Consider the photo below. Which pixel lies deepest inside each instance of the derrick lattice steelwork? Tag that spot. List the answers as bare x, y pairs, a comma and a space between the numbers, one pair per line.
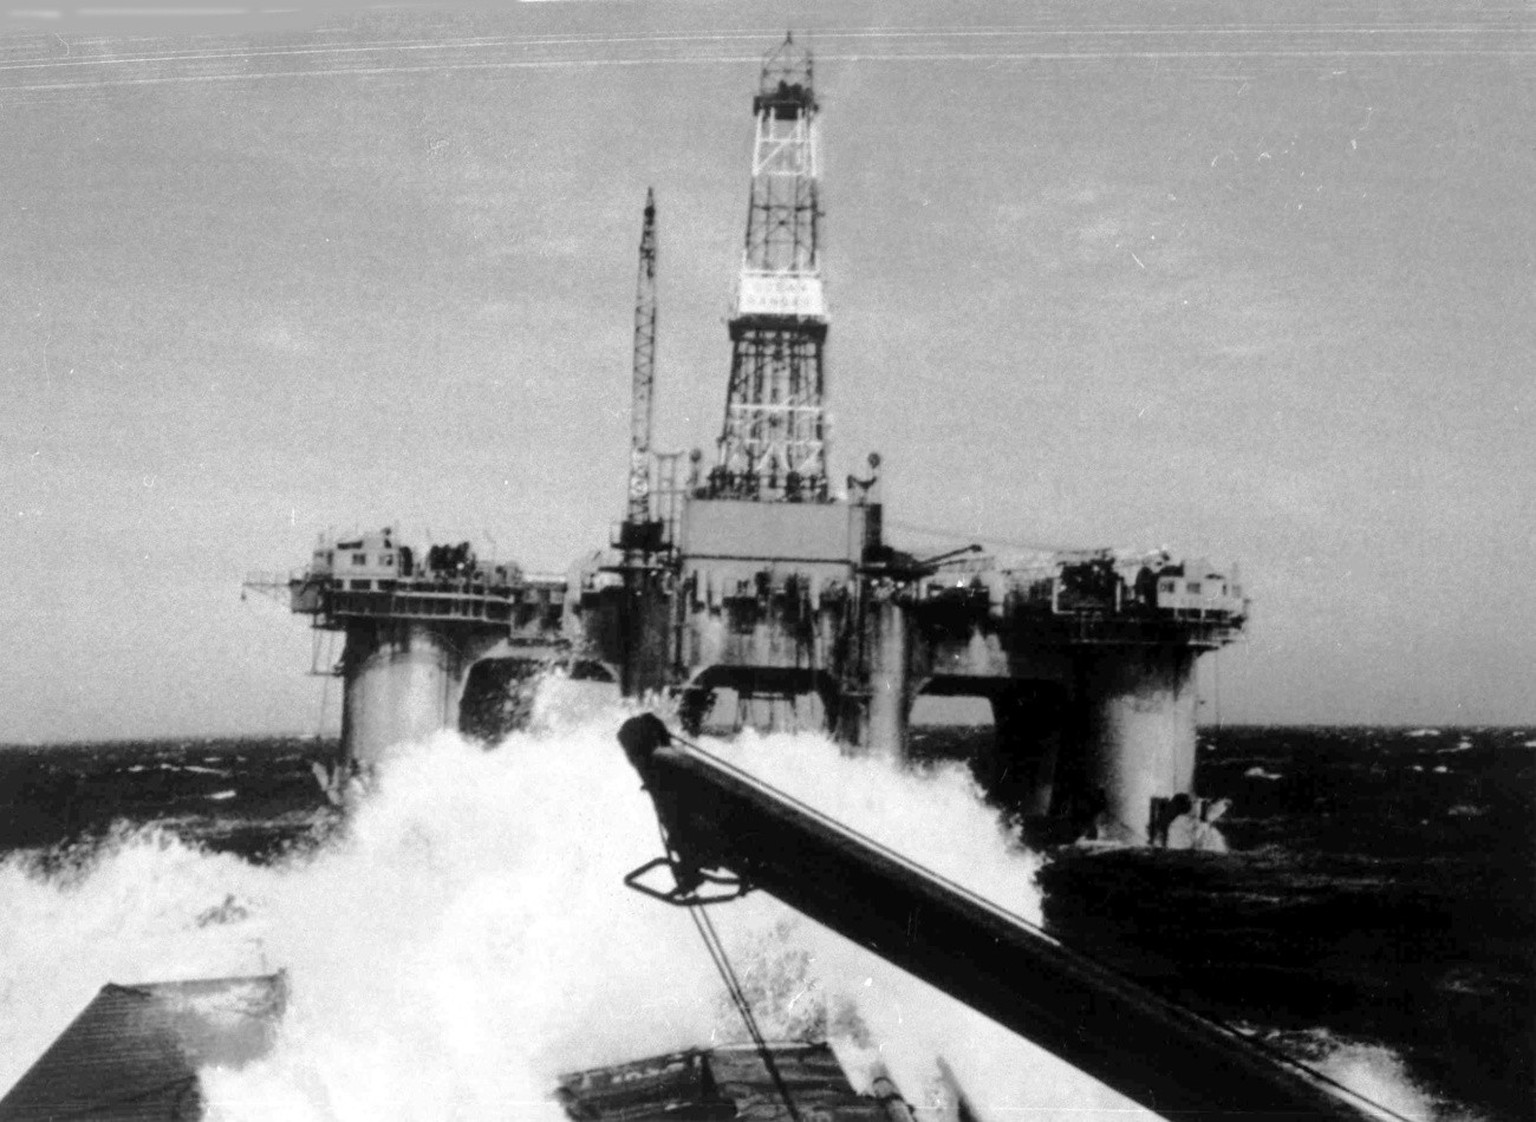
773, 444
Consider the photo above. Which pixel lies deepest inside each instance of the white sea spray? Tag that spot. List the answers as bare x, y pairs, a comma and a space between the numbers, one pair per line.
467, 938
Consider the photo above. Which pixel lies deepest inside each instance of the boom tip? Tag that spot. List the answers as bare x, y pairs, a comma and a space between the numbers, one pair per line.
641, 736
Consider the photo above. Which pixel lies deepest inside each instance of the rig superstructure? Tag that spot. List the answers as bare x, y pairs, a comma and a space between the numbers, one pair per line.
762, 582
725, 591
432, 636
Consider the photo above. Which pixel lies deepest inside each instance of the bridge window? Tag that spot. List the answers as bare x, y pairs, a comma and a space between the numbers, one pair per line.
359, 559
1194, 586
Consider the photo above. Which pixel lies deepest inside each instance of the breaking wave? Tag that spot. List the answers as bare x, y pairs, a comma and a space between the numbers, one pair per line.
467, 939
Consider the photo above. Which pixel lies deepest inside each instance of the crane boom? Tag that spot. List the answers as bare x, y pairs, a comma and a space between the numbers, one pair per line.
727, 832
644, 370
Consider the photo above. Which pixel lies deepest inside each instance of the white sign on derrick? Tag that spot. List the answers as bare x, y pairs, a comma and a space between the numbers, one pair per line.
781, 294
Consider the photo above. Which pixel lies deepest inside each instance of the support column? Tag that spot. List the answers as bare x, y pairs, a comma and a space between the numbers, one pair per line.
890, 677
1138, 710
1020, 768
402, 682
644, 638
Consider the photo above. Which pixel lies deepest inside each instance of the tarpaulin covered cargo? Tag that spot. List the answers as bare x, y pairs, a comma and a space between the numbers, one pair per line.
721, 1083
134, 1053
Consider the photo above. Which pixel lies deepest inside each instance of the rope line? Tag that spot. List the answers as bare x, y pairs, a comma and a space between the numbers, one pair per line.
711, 937
737, 993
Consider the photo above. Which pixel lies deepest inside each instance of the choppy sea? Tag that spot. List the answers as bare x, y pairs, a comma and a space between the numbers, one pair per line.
1376, 913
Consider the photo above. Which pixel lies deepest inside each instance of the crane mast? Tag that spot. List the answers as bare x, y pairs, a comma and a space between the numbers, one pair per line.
639, 510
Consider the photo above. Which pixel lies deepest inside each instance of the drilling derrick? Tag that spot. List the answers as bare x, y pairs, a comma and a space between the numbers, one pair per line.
773, 444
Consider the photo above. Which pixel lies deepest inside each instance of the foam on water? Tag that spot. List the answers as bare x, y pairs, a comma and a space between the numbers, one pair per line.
467, 938
1378, 1073
130, 916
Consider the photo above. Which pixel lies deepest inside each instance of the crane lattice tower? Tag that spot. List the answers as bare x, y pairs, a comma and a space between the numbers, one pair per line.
639, 509
773, 445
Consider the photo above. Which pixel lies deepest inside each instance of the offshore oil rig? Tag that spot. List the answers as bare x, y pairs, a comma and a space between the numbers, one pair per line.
755, 577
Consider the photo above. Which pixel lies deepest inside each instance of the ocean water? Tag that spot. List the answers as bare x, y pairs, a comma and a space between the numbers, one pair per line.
464, 938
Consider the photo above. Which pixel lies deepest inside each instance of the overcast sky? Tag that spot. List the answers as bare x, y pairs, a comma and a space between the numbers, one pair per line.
1108, 274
